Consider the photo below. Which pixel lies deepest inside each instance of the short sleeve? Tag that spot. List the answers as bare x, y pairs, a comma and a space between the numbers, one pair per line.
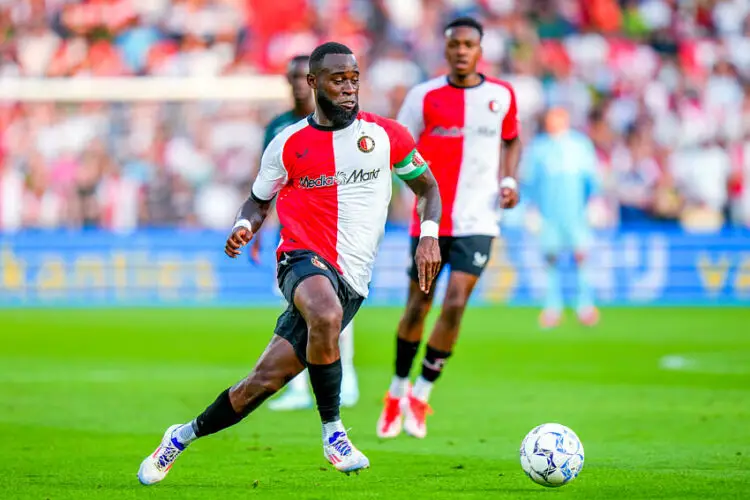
272, 174
411, 114
406, 161
510, 122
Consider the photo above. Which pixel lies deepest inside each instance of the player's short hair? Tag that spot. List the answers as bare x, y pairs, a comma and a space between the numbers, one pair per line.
466, 21
321, 51
298, 59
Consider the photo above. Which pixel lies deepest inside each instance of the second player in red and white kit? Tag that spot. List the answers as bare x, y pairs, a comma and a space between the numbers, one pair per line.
461, 122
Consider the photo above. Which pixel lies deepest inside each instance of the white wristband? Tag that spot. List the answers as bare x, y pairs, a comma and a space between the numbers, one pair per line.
510, 183
242, 223
429, 228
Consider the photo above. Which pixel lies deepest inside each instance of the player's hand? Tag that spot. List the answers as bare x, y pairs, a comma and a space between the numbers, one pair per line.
509, 197
238, 239
427, 258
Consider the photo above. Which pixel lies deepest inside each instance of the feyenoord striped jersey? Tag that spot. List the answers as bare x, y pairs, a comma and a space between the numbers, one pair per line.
334, 187
459, 132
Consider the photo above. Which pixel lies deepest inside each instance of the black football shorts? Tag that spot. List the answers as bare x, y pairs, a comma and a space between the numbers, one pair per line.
294, 267
468, 254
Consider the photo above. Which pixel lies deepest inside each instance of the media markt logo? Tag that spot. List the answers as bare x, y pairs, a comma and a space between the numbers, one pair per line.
340, 179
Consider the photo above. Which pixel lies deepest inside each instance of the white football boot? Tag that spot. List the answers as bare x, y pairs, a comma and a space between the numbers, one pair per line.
155, 467
343, 455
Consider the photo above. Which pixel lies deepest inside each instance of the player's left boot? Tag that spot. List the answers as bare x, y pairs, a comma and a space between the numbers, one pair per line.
343, 455
415, 416
588, 316
155, 467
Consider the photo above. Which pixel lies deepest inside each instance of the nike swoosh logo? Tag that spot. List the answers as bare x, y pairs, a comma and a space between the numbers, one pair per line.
302, 154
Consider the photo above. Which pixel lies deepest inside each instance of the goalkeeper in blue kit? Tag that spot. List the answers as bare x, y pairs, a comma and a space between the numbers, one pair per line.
559, 178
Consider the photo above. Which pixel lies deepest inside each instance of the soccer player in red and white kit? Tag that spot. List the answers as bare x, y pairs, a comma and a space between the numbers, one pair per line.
330, 175
460, 121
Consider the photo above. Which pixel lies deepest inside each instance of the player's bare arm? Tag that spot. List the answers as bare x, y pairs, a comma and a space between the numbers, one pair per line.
509, 170
429, 207
249, 219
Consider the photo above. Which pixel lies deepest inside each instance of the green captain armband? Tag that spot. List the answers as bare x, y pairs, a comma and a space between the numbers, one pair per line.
410, 167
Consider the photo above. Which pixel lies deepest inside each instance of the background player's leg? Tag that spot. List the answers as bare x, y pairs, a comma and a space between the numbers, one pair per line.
349, 385
275, 367
551, 243
445, 333
409, 335
296, 396
467, 258
410, 332
587, 312
439, 349
553, 296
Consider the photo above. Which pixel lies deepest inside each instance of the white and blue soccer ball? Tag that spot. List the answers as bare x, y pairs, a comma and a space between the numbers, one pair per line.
552, 455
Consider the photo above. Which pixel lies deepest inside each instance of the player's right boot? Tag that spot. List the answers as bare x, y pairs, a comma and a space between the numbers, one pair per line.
343, 455
415, 416
391, 419
155, 467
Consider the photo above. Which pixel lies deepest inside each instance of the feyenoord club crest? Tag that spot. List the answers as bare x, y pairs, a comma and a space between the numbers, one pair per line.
366, 144
317, 263
494, 106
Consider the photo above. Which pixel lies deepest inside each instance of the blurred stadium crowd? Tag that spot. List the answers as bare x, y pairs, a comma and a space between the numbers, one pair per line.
661, 86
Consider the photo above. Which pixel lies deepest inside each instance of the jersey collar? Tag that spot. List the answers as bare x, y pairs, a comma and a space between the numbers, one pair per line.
324, 128
482, 79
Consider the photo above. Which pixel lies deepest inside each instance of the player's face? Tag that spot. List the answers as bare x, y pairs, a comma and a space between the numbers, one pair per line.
337, 88
556, 121
462, 50
297, 78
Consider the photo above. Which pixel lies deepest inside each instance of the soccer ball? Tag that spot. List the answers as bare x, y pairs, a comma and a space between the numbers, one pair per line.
551, 455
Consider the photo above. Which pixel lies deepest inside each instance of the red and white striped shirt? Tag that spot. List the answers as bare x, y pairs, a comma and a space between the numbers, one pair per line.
334, 187
459, 132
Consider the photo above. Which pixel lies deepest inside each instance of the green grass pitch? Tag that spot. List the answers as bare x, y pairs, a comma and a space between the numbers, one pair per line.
659, 397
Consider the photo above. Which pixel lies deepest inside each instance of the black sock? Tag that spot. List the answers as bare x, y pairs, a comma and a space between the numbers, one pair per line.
326, 385
219, 415
405, 353
434, 360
